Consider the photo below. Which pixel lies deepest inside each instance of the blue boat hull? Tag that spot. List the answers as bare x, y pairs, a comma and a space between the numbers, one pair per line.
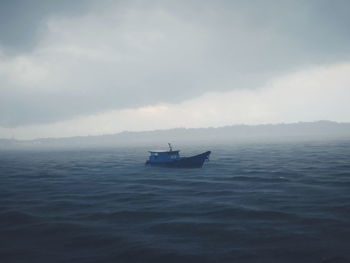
184, 162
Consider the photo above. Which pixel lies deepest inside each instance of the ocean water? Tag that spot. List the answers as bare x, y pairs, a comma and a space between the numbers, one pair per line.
268, 202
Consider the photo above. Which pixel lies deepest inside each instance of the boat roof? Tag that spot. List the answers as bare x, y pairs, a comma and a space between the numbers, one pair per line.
163, 151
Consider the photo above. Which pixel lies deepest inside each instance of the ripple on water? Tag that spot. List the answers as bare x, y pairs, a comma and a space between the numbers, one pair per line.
253, 203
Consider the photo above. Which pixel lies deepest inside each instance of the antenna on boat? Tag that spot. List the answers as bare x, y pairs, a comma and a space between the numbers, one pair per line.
171, 149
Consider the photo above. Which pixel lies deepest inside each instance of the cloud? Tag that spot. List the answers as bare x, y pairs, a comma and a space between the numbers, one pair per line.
128, 54
317, 93
21, 21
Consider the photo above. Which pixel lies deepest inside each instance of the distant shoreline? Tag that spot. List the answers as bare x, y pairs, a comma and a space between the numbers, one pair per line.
319, 130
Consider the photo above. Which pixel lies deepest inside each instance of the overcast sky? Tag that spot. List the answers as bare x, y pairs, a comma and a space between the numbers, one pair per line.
72, 68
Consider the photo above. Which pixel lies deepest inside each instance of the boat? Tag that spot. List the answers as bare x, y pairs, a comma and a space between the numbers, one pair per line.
172, 159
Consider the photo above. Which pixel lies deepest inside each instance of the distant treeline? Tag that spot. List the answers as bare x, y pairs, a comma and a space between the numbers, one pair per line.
319, 130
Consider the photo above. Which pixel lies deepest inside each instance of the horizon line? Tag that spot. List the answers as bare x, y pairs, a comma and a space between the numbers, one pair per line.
176, 128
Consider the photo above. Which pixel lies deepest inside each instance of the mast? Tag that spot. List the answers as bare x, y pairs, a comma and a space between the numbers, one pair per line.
170, 148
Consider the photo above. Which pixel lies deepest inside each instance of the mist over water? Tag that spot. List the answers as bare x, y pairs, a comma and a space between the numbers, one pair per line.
272, 202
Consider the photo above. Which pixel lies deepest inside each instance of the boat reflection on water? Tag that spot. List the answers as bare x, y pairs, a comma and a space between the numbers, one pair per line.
172, 159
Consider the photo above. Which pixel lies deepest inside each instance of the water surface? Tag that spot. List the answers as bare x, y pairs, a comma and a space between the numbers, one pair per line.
272, 202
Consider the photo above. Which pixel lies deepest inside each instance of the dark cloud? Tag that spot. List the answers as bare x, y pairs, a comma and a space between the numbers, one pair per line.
23, 21
96, 56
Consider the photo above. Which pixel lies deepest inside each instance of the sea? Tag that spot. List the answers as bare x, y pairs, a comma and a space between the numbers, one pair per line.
252, 202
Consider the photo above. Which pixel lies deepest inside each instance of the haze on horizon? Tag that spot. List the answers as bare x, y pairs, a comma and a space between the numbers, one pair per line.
75, 68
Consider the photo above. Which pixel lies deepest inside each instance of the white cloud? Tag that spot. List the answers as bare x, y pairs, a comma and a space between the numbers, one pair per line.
317, 93
128, 54
117, 56
106, 59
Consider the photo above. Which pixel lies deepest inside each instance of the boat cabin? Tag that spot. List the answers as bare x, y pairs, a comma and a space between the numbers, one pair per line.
163, 156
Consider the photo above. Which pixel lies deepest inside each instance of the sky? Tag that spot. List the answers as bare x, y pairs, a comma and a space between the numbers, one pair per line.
77, 68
